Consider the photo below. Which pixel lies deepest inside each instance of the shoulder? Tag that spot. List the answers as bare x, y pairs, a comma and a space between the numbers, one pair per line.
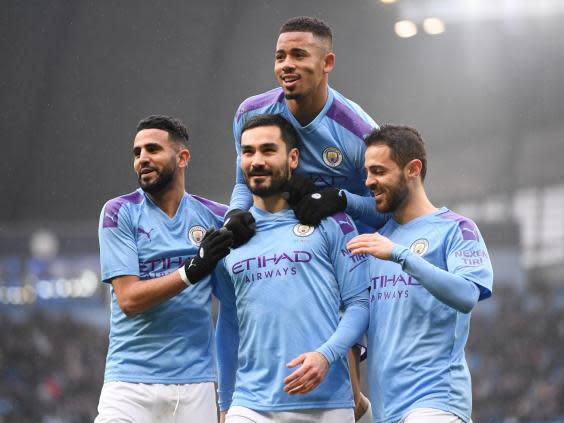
258, 103
350, 116
204, 205
340, 223
112, 208
459, 225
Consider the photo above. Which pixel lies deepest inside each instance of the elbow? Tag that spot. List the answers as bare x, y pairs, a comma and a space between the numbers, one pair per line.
128, 307
466, 306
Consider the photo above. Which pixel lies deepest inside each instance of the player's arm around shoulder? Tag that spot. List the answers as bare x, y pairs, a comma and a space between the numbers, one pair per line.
135, 296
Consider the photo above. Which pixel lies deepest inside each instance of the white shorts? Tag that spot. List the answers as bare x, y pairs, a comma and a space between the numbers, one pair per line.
367, 416
430, 415
238, 414
123, 402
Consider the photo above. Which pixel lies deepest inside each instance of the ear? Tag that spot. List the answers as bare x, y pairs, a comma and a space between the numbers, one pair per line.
414, 168
293, 158
183, 157
329, 62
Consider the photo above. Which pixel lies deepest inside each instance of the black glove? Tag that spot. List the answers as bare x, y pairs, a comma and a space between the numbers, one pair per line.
314, 207
214, 246
242, 224
297, 187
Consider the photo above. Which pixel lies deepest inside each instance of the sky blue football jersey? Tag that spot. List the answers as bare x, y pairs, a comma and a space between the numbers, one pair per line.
289, 282
172, 342
331, 150
416, 342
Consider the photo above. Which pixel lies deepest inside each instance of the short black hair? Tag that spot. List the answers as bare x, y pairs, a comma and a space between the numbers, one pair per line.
176, 130
405, 144
287, 131
307, 24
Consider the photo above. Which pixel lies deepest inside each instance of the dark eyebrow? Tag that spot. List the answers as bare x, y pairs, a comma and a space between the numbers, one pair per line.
299, 50
293, 51
268, 145
376, 167
151, 145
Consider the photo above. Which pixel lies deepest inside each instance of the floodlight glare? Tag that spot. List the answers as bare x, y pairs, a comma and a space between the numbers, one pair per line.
405, 29
433, 26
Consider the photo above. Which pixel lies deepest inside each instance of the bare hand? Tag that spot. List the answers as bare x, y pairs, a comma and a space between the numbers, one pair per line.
313, 369
374, 244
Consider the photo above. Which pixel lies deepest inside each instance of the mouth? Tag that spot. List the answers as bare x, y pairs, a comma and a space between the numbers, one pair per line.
377, 194
146, 170
289, 80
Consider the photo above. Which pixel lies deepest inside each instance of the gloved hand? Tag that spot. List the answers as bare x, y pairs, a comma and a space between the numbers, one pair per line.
242, 224
297, 187
314, 207
214, 246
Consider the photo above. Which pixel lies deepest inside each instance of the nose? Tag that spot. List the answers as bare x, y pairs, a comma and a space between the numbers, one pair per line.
371, 181
288, 64
143, 157
258, 160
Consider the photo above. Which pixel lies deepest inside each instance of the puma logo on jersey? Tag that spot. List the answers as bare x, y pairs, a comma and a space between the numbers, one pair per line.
142, 231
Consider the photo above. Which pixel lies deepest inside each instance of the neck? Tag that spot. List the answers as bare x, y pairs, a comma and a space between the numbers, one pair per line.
417, 204
305, 109
169, 199
271, 204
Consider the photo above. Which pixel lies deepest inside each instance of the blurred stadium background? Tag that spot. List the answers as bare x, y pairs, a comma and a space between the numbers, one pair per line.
481, 79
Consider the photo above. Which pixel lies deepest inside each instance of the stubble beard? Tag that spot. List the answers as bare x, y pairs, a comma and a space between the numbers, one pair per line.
161, 183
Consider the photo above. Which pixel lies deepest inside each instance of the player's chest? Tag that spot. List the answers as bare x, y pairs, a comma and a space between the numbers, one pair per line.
391, 288
159, 239
277, 255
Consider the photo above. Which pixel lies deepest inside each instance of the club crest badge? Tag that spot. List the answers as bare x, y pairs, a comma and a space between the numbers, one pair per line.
419, 246
332, 157
196, 234
303, 230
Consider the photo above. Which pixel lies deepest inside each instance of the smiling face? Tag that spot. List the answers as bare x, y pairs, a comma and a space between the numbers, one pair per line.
386, 179
302, 64
155, 160
265, 161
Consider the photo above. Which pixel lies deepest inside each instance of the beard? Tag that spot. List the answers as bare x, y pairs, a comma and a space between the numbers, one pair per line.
290, 95
161, 182
396, 196
279, 178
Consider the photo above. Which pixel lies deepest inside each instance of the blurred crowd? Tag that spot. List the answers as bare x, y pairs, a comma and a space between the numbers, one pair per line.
516, 356
52, 366
52, 369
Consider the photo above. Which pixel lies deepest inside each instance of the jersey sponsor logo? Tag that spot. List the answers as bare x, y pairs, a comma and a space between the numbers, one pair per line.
332, 156
159, 267
274, 259
390, 281
419, 246
142, 231
196, 234
356, 259
472, 257
277, 265
303, 230
391, 287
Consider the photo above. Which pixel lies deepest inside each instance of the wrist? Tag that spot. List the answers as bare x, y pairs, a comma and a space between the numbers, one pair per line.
184, 276
342, 194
